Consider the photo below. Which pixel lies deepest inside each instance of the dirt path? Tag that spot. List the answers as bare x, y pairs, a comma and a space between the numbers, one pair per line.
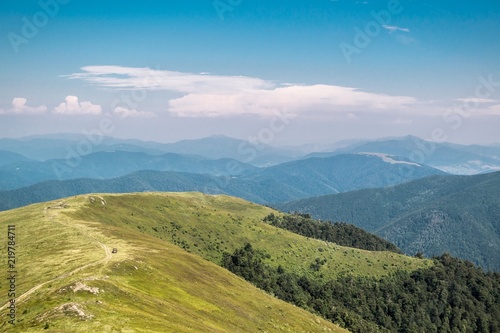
107, 252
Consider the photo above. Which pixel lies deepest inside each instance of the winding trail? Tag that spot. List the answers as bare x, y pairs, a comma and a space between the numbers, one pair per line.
107, 252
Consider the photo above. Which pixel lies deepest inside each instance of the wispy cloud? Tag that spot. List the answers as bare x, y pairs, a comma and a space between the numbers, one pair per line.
19, 106
475, 106
477, 100
127, 78
128, 113
72, 106
394, 28
205, 95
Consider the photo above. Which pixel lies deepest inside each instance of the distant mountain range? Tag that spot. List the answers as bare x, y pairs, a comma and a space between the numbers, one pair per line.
63, 157
62, 146
335, 174
452, 158
284, 182
8, 157
106, 165
455, 214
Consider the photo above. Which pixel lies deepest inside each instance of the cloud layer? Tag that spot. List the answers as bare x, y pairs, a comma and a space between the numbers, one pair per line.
206, 95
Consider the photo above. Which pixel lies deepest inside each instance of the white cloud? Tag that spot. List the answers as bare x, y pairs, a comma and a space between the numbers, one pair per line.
394, 28
475, 106
72, 106
19, 103
126, 113
19, 107
401, 38
290, 100
477, 100
129, 78
205, 95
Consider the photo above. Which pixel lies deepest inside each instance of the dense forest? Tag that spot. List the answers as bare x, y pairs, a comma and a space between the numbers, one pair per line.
341, 233
451, 296
454, 214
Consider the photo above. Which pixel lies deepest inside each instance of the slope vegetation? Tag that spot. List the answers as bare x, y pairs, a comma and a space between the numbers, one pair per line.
69, 281
455, 214
210, 226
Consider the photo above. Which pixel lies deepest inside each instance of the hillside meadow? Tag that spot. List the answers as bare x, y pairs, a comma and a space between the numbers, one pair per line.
69, 281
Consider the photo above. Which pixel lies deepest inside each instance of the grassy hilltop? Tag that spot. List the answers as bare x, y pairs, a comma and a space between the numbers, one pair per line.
166, 275
211, 225
69, 281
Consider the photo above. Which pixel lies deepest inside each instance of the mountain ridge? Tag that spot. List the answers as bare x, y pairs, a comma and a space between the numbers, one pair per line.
112, 164
450, 157
284, 182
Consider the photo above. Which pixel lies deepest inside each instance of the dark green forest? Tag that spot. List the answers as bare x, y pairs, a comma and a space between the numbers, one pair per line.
341, 233
451, 296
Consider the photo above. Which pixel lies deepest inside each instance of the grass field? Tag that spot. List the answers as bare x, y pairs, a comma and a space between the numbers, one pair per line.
69, 281
211, 225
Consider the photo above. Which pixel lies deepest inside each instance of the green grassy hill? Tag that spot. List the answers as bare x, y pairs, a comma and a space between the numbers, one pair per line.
211, 225
69, 281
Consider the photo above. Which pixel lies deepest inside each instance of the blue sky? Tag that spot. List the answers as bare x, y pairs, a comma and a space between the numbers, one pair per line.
328, 70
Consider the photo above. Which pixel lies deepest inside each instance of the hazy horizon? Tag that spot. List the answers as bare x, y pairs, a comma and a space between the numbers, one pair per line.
346, 142
285, 72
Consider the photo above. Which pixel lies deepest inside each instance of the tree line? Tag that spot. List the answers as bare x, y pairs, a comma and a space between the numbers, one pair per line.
451, 296
339, 232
